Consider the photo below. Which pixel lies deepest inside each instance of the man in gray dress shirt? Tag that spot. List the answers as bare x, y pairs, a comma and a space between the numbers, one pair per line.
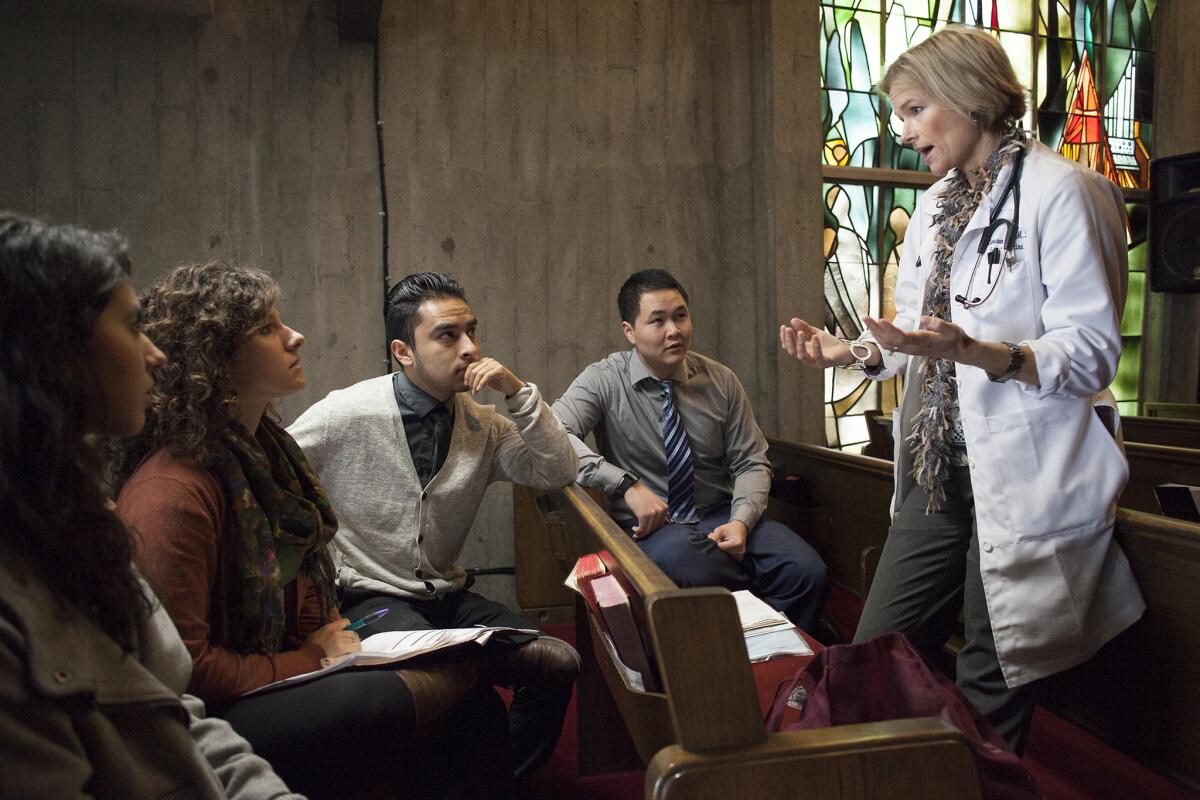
682, 460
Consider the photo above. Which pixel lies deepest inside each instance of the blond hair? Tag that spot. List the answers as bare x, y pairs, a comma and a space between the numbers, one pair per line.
964, 69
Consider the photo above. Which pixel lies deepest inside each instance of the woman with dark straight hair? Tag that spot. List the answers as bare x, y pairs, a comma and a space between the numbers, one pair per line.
91, 669
237, 531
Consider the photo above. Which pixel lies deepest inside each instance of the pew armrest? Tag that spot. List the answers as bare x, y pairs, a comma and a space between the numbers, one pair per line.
869, 761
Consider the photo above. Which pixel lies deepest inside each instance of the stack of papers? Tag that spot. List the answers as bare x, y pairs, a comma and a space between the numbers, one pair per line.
768, 633
393, 646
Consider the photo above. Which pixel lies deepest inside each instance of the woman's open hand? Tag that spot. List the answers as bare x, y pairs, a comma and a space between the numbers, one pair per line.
933, 338
811, 345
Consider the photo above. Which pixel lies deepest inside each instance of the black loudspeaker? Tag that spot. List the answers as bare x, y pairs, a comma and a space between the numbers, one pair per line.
1174, 251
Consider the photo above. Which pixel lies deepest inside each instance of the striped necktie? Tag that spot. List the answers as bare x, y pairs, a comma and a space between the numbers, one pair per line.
681, 503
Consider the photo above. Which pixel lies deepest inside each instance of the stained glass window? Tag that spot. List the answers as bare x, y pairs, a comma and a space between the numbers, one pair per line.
864, 235
1125, 386
851, 58
1128, 88
1095, 89
1089, 65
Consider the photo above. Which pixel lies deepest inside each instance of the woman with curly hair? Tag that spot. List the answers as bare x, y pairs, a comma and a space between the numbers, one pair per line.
91, 669
237, 530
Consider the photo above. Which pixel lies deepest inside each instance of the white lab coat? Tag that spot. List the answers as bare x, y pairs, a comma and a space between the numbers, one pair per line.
1045, 470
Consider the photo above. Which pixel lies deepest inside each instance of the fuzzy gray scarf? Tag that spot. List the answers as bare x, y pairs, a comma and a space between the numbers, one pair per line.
933, 439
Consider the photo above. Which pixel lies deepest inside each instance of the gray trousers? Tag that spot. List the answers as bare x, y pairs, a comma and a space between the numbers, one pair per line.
928, 570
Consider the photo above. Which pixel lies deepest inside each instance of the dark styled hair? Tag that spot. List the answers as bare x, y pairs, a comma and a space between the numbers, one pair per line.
198, 315
55, 281
629, 299
405, 297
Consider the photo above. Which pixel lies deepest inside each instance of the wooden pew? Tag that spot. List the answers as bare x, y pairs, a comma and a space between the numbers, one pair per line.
1161, 430
1141, 693
879, 431
833, 478
846, 516
1146, 430
1154, 464
1173, 410
703, 735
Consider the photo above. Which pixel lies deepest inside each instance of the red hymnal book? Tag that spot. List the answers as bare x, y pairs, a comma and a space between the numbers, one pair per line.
610, 605
587, 567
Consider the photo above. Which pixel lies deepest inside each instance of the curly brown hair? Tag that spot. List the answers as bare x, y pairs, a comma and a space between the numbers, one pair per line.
198, 315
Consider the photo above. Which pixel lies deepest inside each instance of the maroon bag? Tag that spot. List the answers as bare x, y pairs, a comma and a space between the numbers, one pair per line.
886, 678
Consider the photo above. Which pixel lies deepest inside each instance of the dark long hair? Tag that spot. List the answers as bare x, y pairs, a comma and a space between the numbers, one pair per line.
55, 280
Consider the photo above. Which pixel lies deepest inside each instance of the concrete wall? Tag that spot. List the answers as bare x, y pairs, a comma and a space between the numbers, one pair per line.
539, 150
246, 136
542, 150
789, 209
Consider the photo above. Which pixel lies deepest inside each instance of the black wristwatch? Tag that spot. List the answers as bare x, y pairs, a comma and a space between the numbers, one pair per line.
627, 480
1016, 358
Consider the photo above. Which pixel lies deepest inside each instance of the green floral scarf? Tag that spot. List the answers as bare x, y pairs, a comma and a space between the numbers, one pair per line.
275, 497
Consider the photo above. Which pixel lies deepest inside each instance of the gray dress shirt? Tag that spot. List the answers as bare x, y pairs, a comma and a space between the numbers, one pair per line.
620, 399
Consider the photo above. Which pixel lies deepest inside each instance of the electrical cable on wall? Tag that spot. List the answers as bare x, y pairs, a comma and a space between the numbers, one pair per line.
383, 204
383, 217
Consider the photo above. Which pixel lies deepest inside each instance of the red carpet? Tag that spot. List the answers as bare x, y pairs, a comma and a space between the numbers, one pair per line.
1067, 763
1070, 764
559, 779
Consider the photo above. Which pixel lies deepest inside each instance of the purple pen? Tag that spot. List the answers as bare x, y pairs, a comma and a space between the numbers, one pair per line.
367, 620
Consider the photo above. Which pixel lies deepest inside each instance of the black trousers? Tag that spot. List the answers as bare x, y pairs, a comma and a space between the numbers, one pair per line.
541, 691
929, 569
351, 734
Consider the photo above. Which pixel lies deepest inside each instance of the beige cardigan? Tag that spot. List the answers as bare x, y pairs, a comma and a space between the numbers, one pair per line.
393, 536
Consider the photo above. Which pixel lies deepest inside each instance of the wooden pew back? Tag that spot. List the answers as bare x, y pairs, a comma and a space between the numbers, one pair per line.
898, 760
1172, 410
704, 736
620, 727
1161, 430
711, 657
845, 515
1154, 464
1141, 692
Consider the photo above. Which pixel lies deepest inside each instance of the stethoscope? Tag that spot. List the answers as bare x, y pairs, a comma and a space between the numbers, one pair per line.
1011, 189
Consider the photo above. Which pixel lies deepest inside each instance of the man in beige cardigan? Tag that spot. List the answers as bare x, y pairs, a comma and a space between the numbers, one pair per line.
406, 458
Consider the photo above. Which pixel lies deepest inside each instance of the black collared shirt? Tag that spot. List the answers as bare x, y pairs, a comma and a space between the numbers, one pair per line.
427, 426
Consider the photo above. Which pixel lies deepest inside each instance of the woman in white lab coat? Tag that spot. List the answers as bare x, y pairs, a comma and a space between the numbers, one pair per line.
1008, 465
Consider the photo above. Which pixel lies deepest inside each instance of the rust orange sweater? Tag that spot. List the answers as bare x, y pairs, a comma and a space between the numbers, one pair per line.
187, 551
